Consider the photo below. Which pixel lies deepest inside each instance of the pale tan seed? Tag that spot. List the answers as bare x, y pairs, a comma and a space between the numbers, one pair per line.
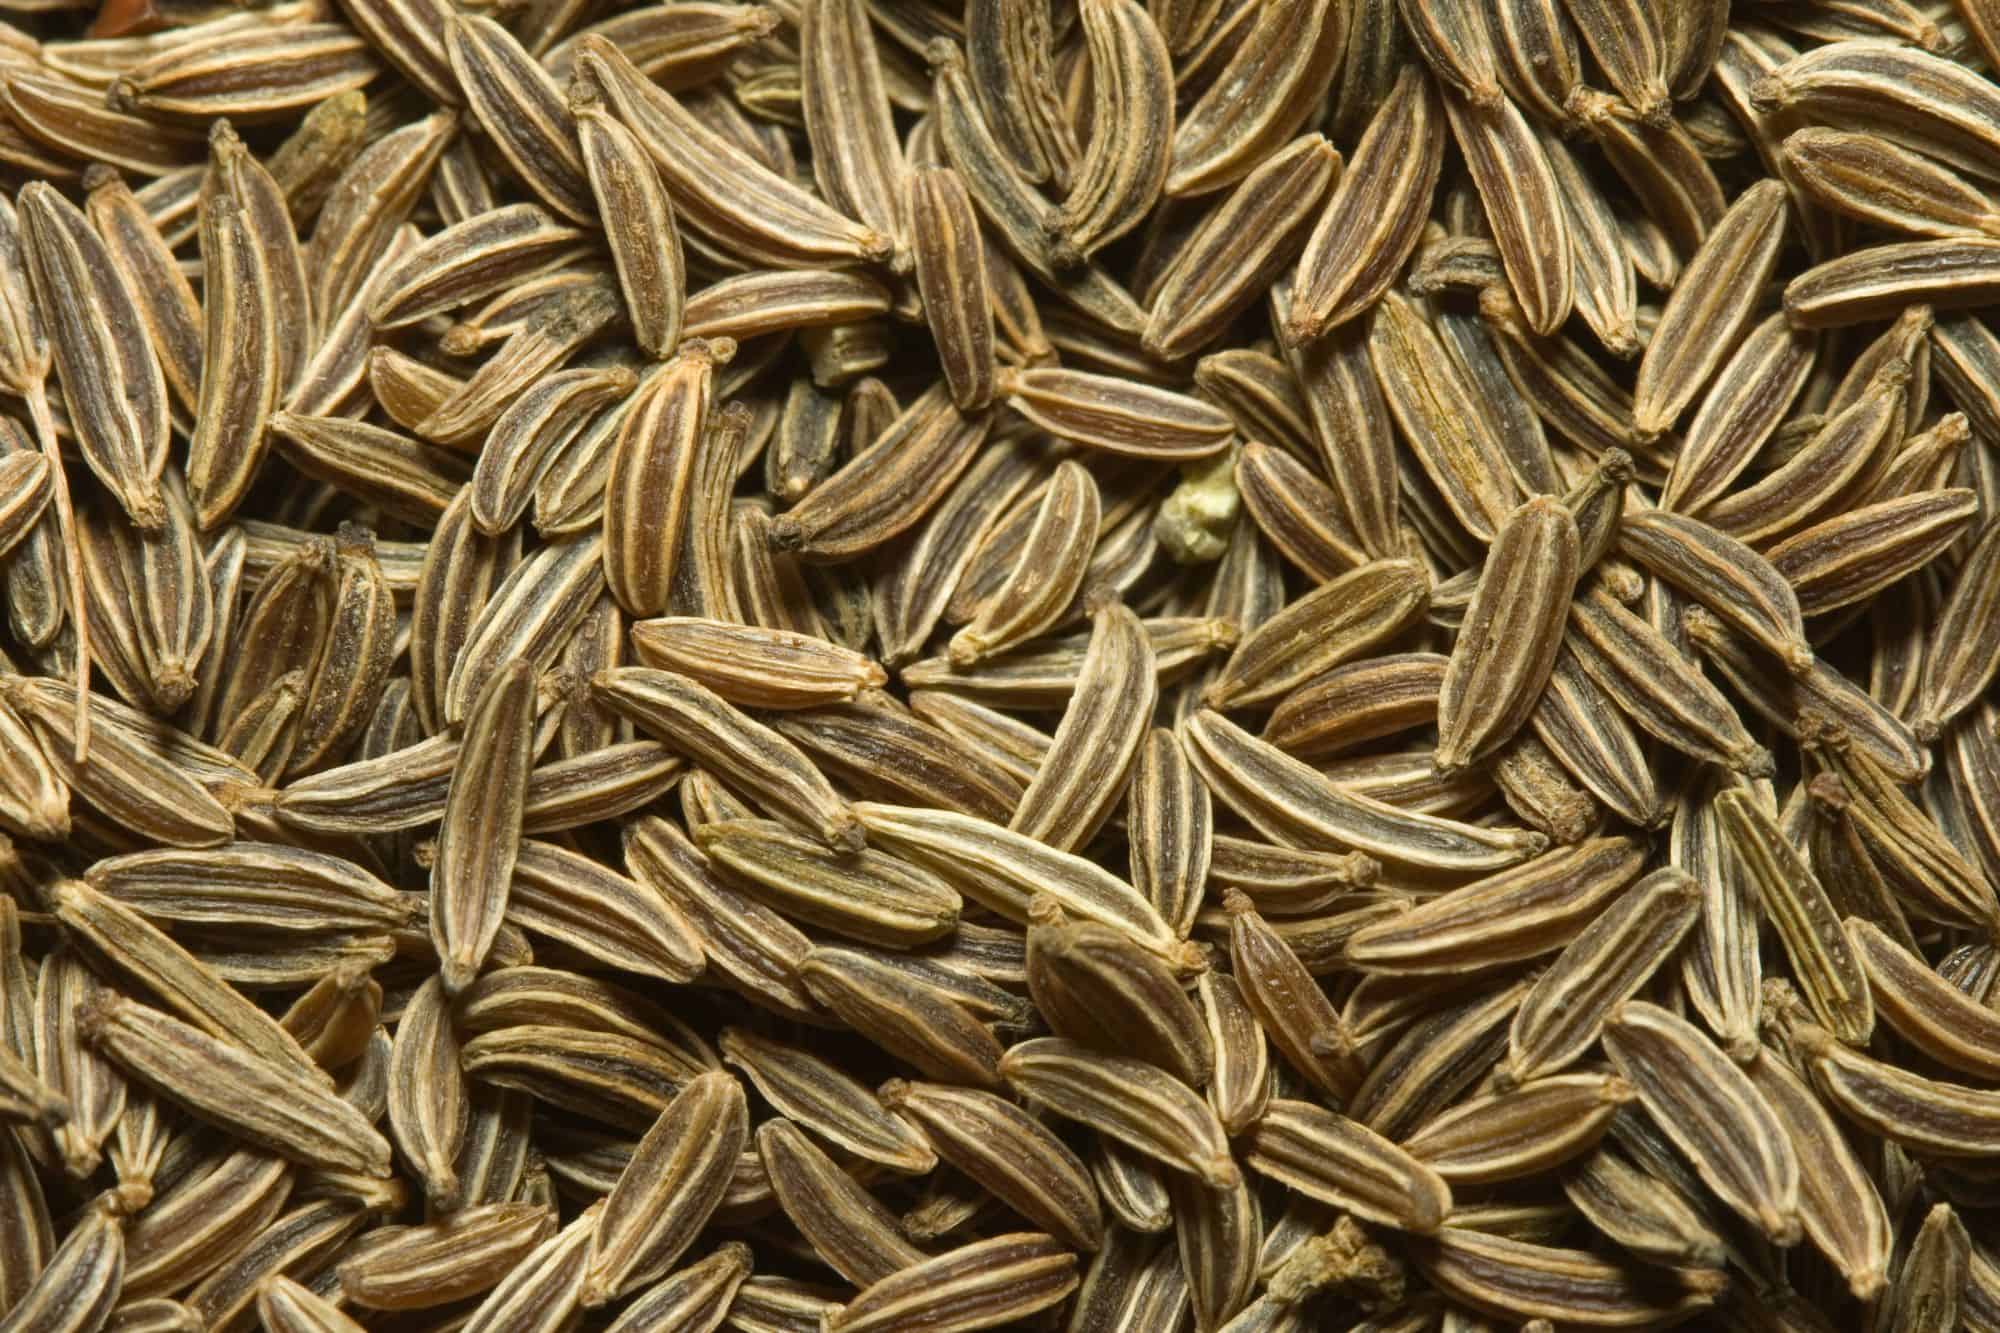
1523, 202
1437, 410
1087, 767
1260, 98
80, 1286
715, 734
724, 193
640, 228
1926, 1010
1534, 908
925, 450
1007, 1151
1639, 1211
1334, 623
748, 946
1096, 986
1170, 828
1823, 961
1936, 1117
865, 895
1220, 1234
1729, 579
651, 473
920, 1013
1239, 248
540, 1296
144, 955
1116, 415
1120, 175
1658, 688
604, 1076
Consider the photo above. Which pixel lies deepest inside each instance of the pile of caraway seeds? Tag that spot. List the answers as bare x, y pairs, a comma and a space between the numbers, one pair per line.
1091, 666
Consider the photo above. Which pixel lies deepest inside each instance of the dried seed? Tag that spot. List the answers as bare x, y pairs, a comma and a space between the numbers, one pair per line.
1711, 1112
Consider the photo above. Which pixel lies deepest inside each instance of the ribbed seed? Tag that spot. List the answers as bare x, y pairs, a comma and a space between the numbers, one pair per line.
1728, 578
1532, 909
1657, 687
1096, 744
1926, 1010
1965, 652
1261, 97
1169, 827
1005, 871
723, 192
1529, 1280
827, 1101
1094, 985
1344, 1163
1008, 1152
428, 1095
1289, 1004
952, 275
907, 1012
1520, 1132
1711, 1112
1435, 407
1710, 306
1239, 247
479, 837
80, 1286
541, 1295
744, 752
1291, 802
1336, 622
652, 469
1511, 635
1607, 963
1642, 1213
1376, 213
1848, 558
1842, 1211
676, 1177
987, 1282
845, 1226
1454, 41
640, 229
120, 937
888, 487
1523, 202
287, 1113
1823, 962
1138, 1104
866, 895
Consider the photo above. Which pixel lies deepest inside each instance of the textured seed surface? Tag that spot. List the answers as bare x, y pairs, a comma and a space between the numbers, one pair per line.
825, 665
